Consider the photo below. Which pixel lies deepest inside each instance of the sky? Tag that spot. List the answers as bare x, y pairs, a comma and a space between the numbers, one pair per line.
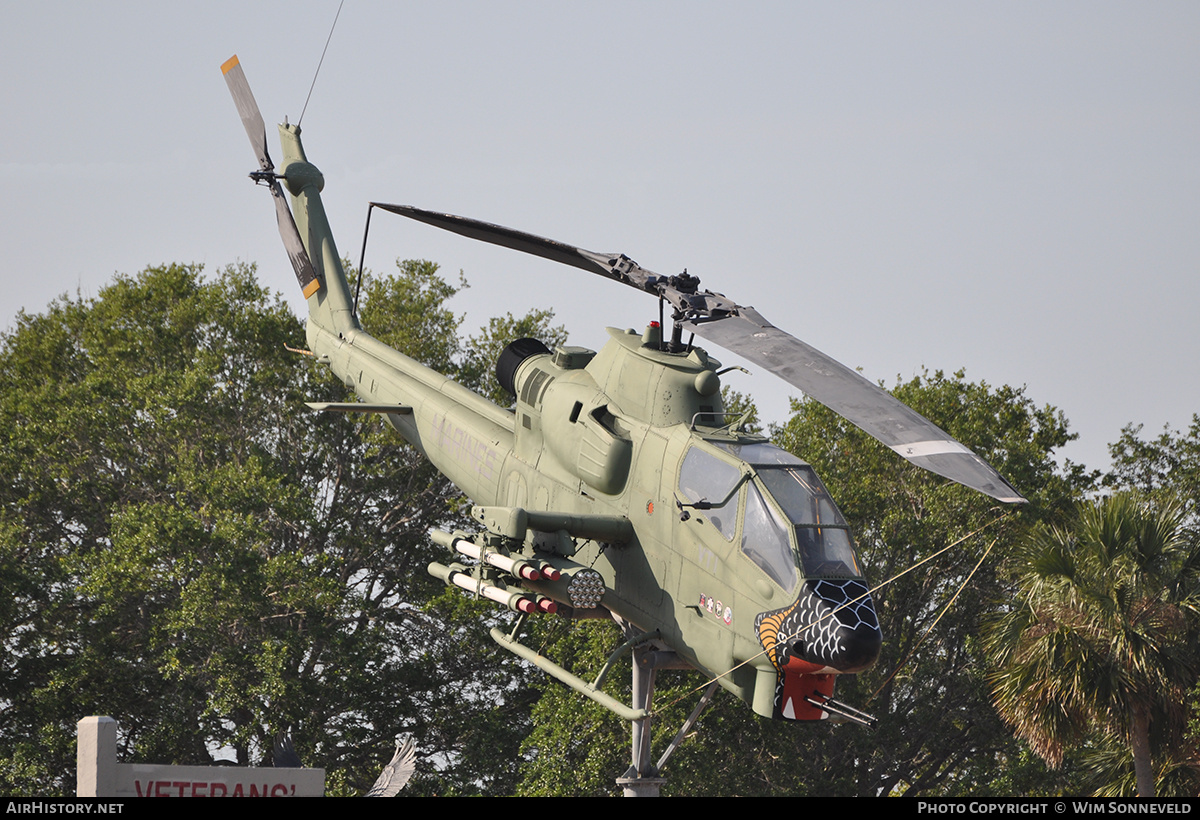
1012, 188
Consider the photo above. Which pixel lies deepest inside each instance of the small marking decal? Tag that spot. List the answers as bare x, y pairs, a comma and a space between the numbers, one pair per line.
723, 613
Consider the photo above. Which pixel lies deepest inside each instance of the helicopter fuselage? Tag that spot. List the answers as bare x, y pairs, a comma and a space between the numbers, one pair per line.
732, 550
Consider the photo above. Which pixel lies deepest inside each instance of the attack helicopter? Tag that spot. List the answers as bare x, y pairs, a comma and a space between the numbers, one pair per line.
617, 486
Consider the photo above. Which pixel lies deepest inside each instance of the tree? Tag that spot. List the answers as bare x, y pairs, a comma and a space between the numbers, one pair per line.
187, 548
1166, 466
1103, 632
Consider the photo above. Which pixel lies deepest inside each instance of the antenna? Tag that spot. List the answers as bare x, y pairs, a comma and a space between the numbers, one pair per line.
319, 62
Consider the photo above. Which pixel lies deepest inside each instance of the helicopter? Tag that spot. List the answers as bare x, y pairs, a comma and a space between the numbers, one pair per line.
617, 486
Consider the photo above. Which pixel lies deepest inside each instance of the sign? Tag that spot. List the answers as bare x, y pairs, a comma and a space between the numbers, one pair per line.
98, 774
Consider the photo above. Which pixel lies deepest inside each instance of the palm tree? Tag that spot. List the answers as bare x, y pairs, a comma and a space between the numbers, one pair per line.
1102, 634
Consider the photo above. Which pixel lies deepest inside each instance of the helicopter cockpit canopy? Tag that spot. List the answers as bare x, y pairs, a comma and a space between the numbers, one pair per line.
788, 519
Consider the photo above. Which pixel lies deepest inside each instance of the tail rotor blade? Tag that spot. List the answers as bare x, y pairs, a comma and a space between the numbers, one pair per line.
305, 275
247, 108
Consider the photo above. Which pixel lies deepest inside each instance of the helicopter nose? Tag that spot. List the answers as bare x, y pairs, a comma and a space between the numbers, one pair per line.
845, 631
849, 651
832, 625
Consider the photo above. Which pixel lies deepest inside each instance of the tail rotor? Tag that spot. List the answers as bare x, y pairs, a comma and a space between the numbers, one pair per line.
252, 119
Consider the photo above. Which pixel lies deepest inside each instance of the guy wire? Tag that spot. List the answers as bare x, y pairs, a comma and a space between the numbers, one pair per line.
929, 629
318, 71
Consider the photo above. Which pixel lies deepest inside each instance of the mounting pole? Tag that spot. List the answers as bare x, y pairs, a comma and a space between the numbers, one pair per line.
641, 779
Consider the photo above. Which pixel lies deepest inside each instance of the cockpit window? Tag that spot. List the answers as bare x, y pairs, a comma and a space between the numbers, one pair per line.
765, 541
822, 545
760, 453
802, 496
704, 477
826, 552
822, 536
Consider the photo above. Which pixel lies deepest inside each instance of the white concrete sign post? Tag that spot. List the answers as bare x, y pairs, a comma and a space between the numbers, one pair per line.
98, 774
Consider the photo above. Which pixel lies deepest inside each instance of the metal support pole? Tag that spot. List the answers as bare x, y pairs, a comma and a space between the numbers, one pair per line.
642, 779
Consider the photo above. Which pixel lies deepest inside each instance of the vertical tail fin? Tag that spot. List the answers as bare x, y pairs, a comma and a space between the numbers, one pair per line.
330, 305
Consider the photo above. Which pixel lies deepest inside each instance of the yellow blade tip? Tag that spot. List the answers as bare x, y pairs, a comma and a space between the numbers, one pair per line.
229, 64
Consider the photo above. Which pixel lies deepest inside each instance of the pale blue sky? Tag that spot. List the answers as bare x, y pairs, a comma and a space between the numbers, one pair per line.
1013, 188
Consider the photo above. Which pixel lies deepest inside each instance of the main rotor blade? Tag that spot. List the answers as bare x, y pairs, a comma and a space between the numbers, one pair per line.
247, 108
850, 395
609, 265
745, 332
679, 290
252, 119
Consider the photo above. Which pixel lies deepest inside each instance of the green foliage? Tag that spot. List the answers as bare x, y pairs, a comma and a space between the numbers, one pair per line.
409, 313
1101, 642
1167, 469
738, 406
116, 410
1110, 769
576, 747
1164, 467
188, 549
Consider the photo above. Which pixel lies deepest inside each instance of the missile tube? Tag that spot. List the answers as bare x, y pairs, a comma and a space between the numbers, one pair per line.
520, 567
513, 566
516, 601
